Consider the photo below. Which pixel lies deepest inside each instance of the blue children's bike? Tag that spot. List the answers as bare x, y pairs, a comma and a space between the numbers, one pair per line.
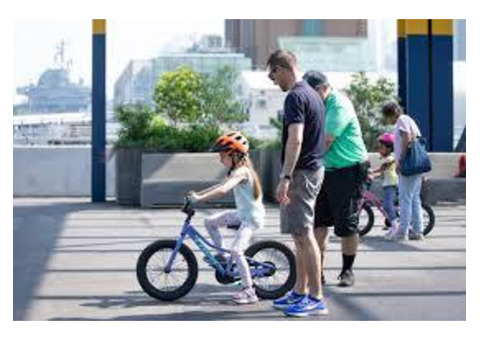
167, 269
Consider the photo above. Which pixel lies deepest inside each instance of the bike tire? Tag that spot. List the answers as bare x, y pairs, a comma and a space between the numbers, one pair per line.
431, 219
363, 230
149, 287
262, 291
430, 215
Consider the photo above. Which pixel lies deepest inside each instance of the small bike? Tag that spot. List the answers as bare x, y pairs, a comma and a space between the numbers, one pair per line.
367, 218
167, 269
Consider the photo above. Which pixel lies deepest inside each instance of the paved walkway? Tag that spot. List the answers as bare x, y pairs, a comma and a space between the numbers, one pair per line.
74, 260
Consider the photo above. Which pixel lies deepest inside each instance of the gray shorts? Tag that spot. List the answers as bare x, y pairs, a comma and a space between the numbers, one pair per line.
298, 216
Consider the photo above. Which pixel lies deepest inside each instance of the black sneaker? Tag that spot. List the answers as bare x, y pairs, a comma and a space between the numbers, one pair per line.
347, 279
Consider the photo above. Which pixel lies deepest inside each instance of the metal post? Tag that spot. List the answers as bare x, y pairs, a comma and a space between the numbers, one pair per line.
401, 59
98, 110
441, 42
418, 95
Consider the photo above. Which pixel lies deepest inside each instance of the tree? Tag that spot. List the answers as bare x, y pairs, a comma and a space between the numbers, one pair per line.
189, 97
367, 98
177, 94
219, 104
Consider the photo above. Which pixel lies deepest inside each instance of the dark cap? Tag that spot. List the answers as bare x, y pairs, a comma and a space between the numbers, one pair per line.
315, 78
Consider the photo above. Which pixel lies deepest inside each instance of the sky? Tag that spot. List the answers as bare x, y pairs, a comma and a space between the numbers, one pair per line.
35, 44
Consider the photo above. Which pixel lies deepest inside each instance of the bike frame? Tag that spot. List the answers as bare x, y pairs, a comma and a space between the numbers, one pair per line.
373, 199
188, 230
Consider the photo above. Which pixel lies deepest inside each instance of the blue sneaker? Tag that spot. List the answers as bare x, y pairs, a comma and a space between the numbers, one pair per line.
307, 306
288, 300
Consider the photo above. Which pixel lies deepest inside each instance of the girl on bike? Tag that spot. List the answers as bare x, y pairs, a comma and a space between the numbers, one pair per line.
387, 171
233, 149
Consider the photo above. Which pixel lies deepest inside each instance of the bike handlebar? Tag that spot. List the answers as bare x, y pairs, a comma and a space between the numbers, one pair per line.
368, 183
188, 208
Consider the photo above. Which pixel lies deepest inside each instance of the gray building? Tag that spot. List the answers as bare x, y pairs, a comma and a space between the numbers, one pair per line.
258, 38
137, 82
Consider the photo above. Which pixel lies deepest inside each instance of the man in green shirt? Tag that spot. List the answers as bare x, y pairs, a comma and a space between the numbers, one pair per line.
344, 160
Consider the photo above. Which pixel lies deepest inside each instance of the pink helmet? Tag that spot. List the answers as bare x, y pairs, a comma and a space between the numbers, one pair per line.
387, 138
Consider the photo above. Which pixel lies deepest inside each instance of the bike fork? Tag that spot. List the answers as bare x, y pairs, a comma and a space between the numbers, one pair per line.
179, 243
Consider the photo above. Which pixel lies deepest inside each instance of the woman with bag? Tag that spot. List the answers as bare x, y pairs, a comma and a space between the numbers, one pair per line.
412, 161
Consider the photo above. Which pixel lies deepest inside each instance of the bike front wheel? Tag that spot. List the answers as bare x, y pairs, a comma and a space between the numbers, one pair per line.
162, 285
281, 259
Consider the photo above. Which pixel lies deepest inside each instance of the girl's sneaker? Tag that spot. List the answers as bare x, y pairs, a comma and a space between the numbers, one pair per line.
392, 231
398, 236
245, 296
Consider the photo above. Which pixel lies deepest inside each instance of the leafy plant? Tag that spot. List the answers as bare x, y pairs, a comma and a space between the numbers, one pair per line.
135, 121
186, 96
277, 143
142, 128
367, 98
177, 95
219, 104
198, 106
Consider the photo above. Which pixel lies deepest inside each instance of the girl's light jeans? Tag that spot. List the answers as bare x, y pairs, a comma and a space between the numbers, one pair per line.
240, 243
410, 203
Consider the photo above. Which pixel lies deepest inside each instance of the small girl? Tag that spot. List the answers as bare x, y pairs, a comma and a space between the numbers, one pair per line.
387, 171
242, 178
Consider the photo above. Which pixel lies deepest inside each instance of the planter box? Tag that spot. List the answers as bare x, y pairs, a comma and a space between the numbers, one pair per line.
440, 186
152, 179
128, 176
166, 178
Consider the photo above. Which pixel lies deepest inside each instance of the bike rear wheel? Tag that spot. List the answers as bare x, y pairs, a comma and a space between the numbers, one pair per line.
282, 278
159, 284
428, 219
366, 219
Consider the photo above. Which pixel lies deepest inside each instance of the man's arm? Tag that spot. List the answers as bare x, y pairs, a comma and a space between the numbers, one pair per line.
293, 148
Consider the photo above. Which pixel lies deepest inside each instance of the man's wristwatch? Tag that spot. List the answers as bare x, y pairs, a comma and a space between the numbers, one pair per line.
287, 177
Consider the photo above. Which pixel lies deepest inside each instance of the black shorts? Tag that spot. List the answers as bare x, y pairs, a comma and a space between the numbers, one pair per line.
337, 203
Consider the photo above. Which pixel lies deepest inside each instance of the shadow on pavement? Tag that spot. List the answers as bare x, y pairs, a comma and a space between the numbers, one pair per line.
33, 246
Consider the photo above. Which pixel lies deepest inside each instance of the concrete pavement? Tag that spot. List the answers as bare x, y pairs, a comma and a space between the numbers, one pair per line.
74, 260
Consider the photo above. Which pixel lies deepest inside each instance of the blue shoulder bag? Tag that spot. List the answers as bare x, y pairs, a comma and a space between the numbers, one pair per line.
416, 160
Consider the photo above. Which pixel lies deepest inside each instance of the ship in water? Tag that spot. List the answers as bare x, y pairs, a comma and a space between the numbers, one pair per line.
54, 91
56, 110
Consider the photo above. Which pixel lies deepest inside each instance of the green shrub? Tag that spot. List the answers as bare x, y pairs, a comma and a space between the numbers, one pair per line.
199, 106
135, 121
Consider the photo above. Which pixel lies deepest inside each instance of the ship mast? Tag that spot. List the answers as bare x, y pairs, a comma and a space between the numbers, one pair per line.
60, 54
59, 57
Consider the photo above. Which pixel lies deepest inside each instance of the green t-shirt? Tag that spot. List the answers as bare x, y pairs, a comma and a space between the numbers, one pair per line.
342, 123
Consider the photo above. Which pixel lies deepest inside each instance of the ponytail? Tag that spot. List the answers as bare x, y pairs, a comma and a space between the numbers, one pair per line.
257, 187
243, 159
